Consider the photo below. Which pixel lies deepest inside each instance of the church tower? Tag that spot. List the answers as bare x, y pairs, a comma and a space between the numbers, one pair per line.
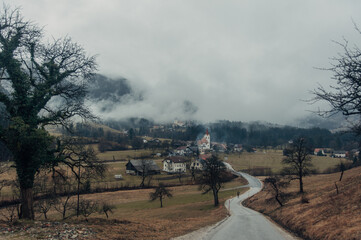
208, 139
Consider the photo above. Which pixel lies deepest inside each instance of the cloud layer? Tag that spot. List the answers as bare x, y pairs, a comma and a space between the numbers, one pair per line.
236, 60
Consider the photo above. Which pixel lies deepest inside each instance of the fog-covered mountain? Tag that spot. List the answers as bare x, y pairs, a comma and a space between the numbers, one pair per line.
119, 98
106, 93
334, 123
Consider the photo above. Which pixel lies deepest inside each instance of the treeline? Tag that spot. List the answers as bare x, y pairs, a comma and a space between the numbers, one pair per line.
260, 135
109, 140
249, 134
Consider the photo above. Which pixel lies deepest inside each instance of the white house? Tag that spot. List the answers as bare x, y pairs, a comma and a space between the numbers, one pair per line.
319, 151
238, 148
174, 164
339, 154
181, 150
198, 164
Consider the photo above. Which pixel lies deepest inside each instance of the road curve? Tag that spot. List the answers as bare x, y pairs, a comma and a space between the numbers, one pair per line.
244, 223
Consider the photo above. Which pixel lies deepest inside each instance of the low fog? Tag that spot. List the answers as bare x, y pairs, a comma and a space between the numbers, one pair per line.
205, 60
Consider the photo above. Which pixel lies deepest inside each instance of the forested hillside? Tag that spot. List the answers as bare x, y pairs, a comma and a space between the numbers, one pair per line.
249, 134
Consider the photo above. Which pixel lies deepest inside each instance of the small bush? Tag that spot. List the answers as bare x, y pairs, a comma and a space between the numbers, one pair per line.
304, 199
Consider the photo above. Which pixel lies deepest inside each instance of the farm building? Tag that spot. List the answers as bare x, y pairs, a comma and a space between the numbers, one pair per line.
319, 152
137, 167
219, 147
183, 151
339, 154
174, 164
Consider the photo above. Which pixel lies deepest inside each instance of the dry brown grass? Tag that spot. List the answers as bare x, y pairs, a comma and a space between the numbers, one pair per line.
135, 217
328, 215
123, 155
164, 223
272, 159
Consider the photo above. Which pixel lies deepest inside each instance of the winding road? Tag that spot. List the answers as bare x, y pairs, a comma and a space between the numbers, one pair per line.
244, 223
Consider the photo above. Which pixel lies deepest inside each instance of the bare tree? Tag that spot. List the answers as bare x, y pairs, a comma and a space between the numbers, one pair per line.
298, 161
82, 162
48, 84
343, 97
213, 177
64, 203
276, 185
342, 168
145, 167
180, 174
193, 174
160, 193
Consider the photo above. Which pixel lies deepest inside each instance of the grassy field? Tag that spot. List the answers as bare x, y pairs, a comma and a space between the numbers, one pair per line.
327, 215
124, 155
135, 217
268, 159
273, 159
186, 211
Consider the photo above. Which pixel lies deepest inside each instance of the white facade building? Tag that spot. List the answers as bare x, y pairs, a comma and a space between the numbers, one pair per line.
174, 164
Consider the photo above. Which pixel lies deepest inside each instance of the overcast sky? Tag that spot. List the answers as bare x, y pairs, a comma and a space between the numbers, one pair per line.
236, 60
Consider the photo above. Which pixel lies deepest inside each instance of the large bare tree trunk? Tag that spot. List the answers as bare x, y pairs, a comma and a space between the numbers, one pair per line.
78, 197
301, 184
215, 196
27, 204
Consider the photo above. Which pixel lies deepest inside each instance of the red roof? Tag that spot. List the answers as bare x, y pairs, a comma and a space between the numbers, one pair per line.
205, 156
318, 149
176, 159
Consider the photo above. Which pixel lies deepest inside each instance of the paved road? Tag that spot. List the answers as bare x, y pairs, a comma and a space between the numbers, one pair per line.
245, 223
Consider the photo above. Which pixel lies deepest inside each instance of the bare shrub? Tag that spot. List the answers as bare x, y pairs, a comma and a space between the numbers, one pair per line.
88, 207
44, 205
106, 208
304, 199
276, 186
64, 204
11, 212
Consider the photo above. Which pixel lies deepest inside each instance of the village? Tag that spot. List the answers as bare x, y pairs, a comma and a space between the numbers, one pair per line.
192, 157
181, 159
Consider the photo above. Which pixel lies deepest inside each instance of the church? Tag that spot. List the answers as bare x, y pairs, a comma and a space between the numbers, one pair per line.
205, 143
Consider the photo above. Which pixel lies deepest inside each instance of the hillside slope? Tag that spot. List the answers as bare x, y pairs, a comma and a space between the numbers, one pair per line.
328, 215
